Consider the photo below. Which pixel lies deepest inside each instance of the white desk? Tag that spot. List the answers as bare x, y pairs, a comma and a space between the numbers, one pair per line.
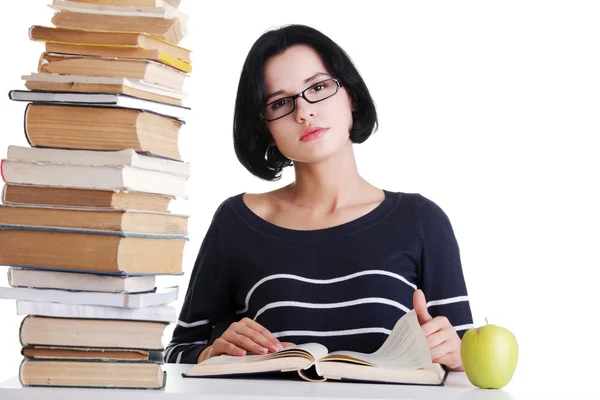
457, 387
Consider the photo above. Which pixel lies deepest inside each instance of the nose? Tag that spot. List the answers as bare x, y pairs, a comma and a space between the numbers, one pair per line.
304, 110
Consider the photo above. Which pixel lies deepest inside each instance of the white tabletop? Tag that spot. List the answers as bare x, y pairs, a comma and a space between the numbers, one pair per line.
178, 388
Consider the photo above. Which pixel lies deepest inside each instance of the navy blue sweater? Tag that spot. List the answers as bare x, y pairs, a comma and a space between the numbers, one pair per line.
344, 287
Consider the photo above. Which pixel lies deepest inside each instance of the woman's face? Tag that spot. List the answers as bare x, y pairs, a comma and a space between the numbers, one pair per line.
289, 73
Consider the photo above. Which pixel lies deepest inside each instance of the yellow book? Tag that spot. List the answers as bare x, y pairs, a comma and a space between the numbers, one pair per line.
116, 44
118, 52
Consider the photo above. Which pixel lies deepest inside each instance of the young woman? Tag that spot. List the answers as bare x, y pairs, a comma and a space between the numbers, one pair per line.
329, 258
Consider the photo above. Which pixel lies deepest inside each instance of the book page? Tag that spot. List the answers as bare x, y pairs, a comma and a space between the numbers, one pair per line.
406, 347
312, 351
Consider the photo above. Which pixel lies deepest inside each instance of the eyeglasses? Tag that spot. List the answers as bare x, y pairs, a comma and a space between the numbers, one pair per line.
314, 94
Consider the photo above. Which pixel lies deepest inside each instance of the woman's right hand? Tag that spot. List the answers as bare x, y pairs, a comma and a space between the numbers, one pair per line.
242, 337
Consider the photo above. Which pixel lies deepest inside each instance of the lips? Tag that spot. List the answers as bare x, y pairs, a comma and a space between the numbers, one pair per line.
312, 133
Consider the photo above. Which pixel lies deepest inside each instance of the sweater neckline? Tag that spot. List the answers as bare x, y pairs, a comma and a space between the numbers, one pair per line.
389, 202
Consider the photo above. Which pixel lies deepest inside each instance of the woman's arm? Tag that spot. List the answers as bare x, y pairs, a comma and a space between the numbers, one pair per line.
442, 304
206, 300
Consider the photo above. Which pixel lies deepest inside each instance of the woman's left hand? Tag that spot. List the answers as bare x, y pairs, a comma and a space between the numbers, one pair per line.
444, 342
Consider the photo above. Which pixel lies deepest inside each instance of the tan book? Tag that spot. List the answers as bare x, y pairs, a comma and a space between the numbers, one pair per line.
87, 353
77, 281
170, 29
93, 333
139, 3
66, 197
99, 88
147, 70
403, 358
101, 128
130, 40
95, 219
118, 52
92, 374
91, 251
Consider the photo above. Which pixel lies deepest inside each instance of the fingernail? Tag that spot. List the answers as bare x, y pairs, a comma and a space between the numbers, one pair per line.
276, 347
263, 350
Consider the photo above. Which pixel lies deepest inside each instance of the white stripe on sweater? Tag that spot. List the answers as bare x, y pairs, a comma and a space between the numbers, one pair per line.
171, 348
350, 303
192, 324
346, 332
447, 301
322, 281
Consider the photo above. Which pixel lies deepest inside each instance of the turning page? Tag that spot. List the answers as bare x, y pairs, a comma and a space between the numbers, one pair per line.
405, 347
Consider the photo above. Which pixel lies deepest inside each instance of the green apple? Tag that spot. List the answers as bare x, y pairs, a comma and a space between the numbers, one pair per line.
489, 355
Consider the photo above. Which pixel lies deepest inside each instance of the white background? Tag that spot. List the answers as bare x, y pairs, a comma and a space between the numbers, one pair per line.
489, 109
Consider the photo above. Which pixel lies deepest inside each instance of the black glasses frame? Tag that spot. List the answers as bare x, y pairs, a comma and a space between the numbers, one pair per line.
301, 94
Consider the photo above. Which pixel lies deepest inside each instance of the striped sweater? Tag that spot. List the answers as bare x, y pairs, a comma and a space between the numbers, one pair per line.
344, 287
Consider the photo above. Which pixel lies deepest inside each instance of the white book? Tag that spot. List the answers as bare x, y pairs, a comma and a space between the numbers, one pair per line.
119, 158
164, 10
115, 179
100, 100
77, 281
125, 300
138, 84
162, 313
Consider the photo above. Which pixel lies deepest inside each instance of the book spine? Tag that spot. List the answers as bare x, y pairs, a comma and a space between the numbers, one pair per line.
25, 125
21, 330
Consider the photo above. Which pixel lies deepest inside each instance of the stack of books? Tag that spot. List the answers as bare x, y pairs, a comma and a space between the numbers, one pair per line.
85, 226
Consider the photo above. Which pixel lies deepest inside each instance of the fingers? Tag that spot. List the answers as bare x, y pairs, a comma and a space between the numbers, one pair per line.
438, 337
222, 346
287, 344
243, 337
258, 338
435, 325
420, 307
441, 350
269, 339
451, 360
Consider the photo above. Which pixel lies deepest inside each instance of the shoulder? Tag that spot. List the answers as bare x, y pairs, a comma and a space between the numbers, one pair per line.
242, 204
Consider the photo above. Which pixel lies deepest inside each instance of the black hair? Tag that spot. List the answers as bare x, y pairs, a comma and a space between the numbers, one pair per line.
251, 138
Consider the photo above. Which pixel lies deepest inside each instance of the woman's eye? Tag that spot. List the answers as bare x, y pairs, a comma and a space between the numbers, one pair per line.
318, 87
279, 103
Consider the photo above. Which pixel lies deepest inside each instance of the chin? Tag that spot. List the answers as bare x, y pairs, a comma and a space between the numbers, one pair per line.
318, 151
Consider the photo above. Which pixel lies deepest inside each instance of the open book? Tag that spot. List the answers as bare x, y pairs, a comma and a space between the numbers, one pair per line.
403, 358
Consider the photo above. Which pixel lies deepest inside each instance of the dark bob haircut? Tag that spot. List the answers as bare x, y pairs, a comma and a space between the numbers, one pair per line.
252, 140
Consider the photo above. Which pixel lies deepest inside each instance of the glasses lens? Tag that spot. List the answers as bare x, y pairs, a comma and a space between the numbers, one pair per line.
278, 108
321, 90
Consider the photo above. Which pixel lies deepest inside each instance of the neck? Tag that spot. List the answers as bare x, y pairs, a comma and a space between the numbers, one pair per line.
329, 184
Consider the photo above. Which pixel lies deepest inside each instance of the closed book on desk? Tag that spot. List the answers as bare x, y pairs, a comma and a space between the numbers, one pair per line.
86, 127
76, 198
95, 218
108, 39
93, 177
89, 353
119, 52
91, 333
92, 374
121, 158
103, 84
404, 358
110, 100
115, 253
167, 23
78, 281
147, 70
138, 300
161, 313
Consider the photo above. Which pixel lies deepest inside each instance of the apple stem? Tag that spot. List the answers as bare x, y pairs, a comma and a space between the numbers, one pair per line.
486, 321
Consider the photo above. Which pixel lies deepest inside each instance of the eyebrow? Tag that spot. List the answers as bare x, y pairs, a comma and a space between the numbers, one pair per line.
305, 81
